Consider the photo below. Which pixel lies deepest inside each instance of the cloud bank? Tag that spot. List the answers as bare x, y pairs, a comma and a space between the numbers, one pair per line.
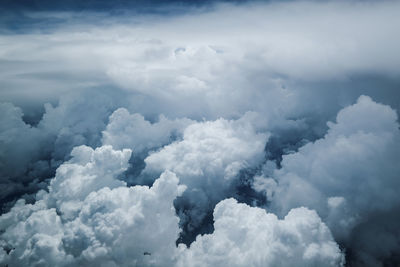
88, 218
247, 134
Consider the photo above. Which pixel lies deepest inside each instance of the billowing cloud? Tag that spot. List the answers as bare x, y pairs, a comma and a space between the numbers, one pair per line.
109, 115
246, 236
90, 218
347, 176
214, 148
208, 160
133, 131
29, 154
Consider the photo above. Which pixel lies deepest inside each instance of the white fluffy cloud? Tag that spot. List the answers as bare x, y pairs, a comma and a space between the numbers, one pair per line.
208, 159
90, 218
247, 236
200, 94
133, 131
213, 150
29, 154
355, 160
348, 175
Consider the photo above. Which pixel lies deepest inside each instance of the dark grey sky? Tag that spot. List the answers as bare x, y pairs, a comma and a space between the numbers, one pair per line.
104, 5
14, 15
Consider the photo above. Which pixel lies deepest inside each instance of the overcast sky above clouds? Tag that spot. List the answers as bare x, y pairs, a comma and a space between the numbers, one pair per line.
216, 133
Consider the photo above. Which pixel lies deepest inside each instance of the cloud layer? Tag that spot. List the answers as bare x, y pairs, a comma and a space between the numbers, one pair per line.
248, 134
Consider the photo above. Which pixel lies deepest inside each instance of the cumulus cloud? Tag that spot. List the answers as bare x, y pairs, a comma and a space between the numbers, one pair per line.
213, 148
208, 160
90, 218
348, 175
233, 100
134, 131
29, 154
78, 119
246, 236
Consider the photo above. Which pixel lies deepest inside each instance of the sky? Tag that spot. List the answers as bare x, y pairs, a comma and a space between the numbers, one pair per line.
199, 133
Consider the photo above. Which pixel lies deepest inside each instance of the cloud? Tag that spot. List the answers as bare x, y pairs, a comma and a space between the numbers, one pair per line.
347, 176
21, 147
208, 160
30, 154
233, 100
14, 130
216, 148
249, 236
134, 131
192, 61
89, 218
